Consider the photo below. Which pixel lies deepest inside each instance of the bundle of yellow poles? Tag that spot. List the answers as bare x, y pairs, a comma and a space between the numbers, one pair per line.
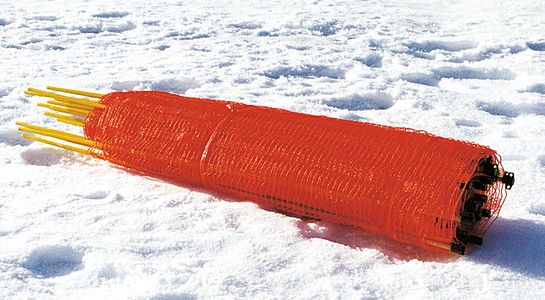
66, 106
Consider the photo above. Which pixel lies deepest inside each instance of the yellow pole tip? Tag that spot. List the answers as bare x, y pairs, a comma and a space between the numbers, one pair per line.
75, 92
85, 150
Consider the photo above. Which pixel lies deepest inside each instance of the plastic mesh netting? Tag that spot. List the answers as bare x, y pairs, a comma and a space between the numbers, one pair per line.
410, 185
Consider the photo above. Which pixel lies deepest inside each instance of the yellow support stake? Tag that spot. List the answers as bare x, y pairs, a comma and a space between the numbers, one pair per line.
59, 116
57, 144
67, 121
75, 92
69, 137
85, 102
441, 245
32, 93
72, 111
23, 124
69, 105
58, 136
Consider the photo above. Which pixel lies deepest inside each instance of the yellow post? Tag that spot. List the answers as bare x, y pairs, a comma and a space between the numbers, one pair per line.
85, 150
85, 102
69, 105
72, 111
68, 121
75, 92
74, 121
437, 244
69, 137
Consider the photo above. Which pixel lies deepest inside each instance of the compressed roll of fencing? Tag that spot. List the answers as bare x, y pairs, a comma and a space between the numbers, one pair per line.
415, 187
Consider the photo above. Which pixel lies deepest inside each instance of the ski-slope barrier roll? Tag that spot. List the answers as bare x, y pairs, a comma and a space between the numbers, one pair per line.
417, 188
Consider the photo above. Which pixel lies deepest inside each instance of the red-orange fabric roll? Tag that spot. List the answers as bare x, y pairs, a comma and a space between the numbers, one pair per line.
407, 184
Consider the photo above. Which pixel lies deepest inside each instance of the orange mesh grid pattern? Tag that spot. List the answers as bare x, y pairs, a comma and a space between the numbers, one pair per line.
400, 182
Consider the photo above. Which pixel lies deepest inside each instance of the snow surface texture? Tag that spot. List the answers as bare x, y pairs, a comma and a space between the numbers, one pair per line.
73, 226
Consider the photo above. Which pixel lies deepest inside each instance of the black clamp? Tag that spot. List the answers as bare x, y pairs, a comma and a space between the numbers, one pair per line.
489, 168
478, 185
508, 179
468, 219
458, 248
466, 238
479, 198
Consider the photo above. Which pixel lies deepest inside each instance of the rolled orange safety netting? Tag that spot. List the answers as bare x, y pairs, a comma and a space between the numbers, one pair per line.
417, 188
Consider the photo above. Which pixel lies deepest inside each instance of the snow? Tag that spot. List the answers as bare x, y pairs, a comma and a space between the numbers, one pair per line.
73, 226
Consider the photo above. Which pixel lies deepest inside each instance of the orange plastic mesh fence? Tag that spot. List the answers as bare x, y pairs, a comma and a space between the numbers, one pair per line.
407, 184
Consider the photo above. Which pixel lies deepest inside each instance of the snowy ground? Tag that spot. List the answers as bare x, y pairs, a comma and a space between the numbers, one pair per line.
73, 226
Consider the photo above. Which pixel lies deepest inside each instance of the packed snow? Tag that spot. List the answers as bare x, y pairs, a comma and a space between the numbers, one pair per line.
75, 227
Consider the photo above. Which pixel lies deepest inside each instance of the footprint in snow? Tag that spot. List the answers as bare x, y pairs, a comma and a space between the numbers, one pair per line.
541, 160
536, 46
5, 92
486, 53
325, 28
94, 28
436, 75
510, 134
538, 88
423, 105
432, 45
115, 27
152, 23
372, 60
97, 195
474, 73
244, 25
111, 14
500, 109
42, 156
176, 86
44, 18
119, 27
467, 123
182, 296
12, 137
424, 49
4, 22
375, 44
53, 261
31, 41
305, 71
362, 102
511, 110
